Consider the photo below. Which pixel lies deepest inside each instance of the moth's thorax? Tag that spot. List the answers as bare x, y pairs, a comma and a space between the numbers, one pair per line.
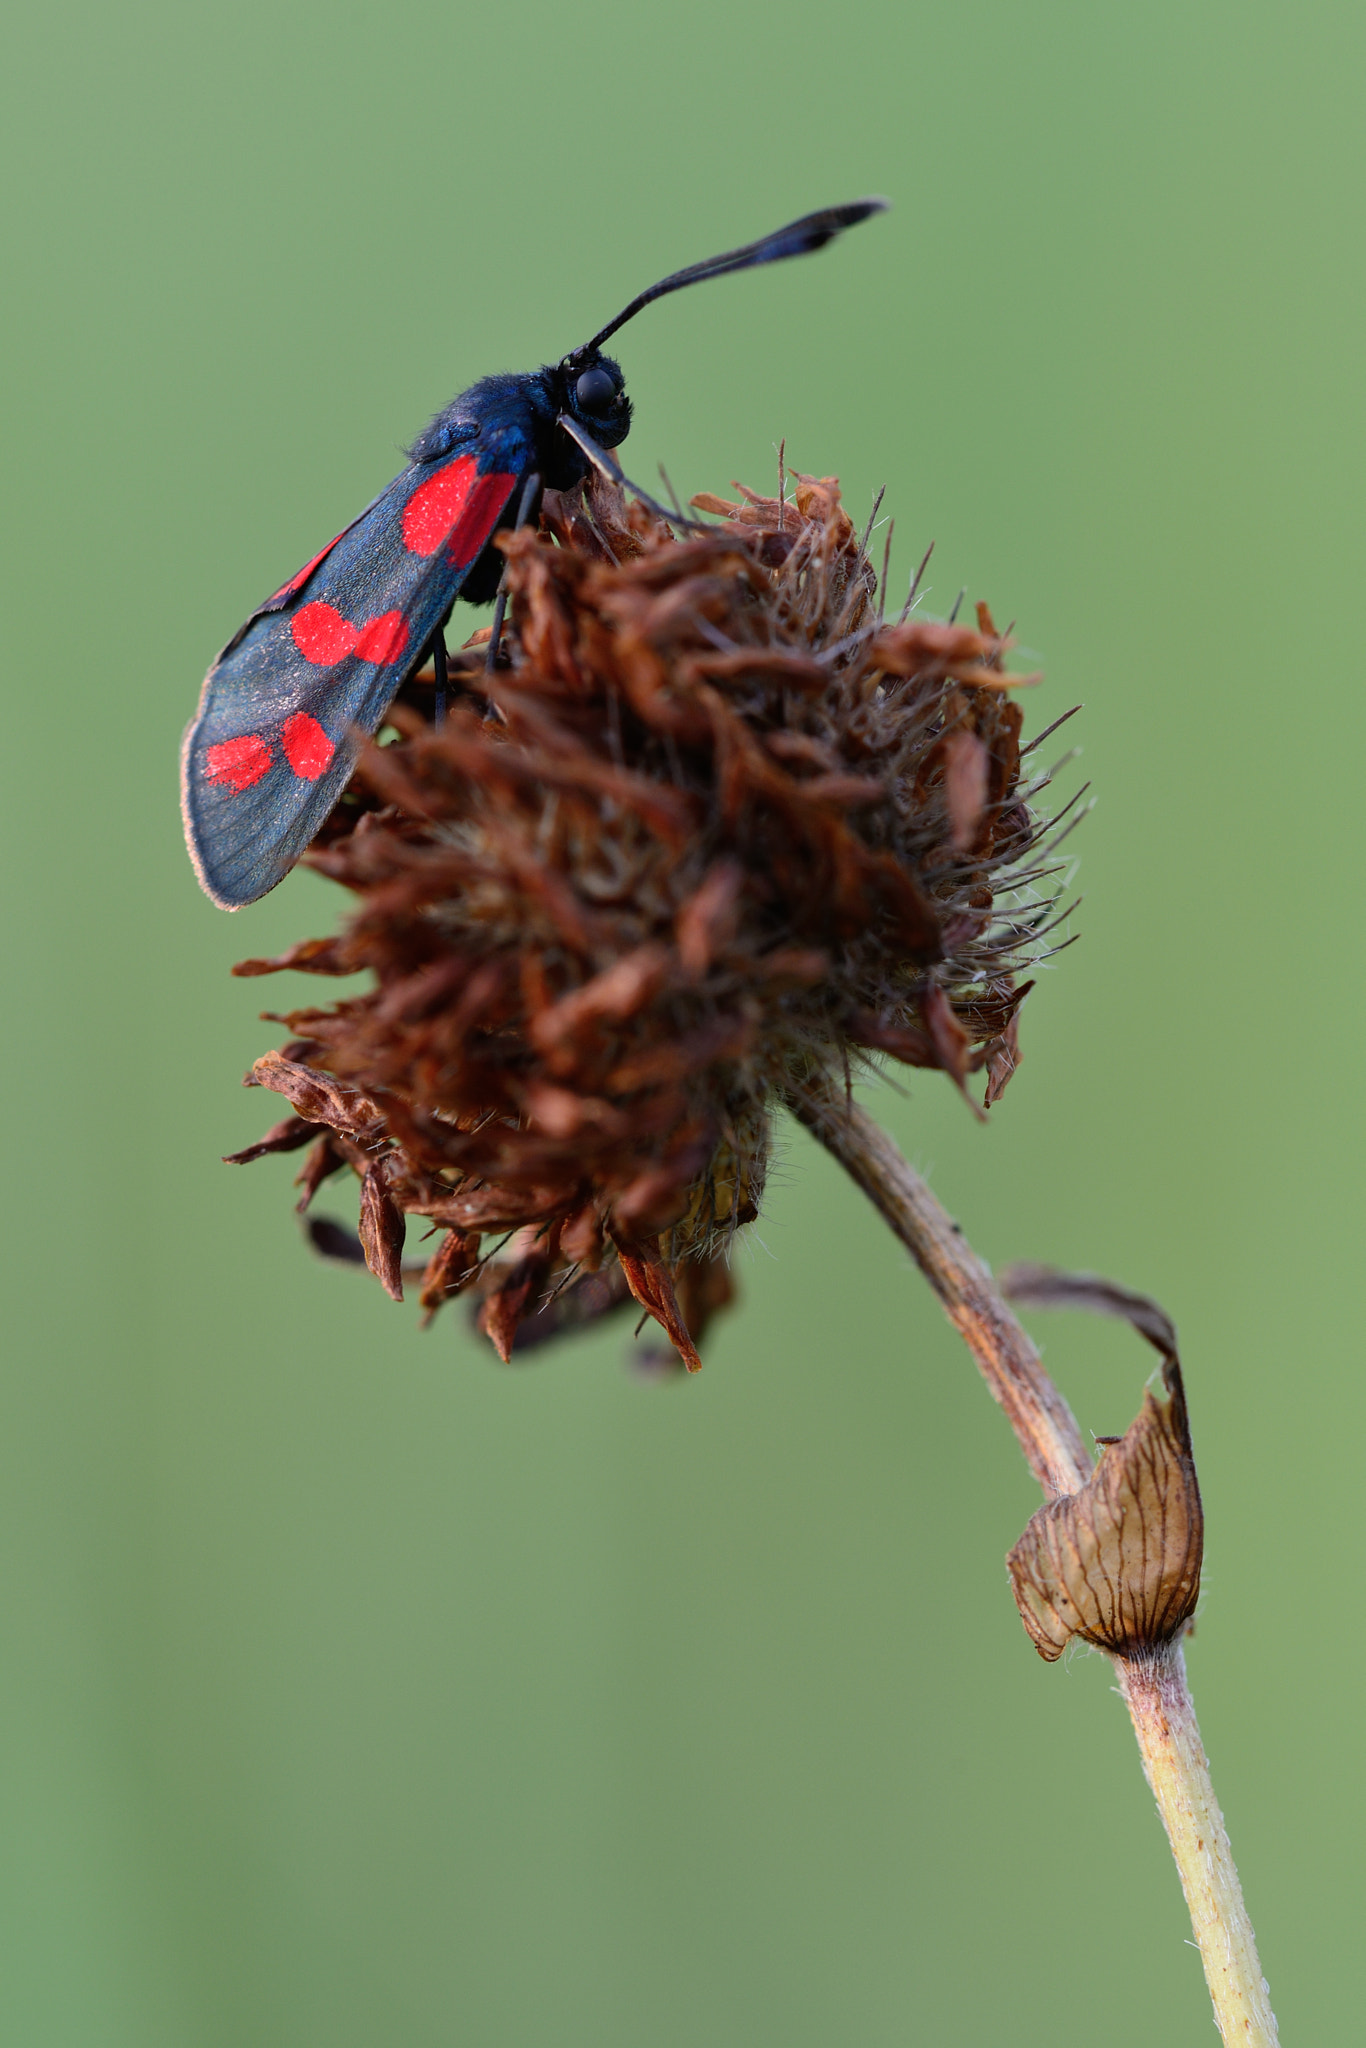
483, 415
528, 404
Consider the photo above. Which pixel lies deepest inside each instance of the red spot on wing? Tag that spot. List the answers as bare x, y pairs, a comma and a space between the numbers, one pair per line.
322, 635
238, 763
308, 750
480, 516
435, 506
298, 581
382, 639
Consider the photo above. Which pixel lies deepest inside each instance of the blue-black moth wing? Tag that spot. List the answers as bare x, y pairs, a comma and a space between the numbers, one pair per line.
295, 694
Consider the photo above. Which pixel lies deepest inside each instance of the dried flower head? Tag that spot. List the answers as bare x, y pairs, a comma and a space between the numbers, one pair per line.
714, 828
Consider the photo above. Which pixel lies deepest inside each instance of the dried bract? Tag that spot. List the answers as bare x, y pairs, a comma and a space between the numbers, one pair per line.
713, 826
1117, 1563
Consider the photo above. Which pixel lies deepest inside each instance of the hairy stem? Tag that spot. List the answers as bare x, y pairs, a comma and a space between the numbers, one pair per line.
1154, 1683
1175, 1764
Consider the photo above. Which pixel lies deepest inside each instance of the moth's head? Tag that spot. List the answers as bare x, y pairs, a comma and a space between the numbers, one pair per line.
593, 392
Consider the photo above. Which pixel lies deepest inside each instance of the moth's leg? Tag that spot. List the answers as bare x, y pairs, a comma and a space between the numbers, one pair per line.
441, 670
607, 465
500, 605
530, 498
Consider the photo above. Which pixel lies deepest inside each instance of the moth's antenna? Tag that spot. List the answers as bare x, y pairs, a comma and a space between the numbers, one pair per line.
798, 238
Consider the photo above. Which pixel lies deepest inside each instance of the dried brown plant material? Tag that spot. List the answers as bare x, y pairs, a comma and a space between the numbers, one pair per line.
715, 829
1117, 1563
382, 1228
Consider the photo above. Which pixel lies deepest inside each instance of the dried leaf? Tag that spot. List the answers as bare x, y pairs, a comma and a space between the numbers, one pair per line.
581, 1240
648, 1279
287, 1136
511, 1301
905, 1042
966, 766
1050, 1287
323, 1161
316, 1096
924, 646
949, 1039
844, 789
1117, 1563
310, 956
608, 998
382, 1230
563, 1114
579, 1305
776, 664
450, 1269
1002, 1059
706, 922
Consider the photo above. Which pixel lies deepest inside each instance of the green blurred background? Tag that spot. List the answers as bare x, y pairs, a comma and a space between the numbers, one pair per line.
357, 1690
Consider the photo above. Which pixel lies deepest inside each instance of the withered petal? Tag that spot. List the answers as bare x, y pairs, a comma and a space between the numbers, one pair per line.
512, 1301
451, 1268
323, 1161
966, 782
574, 1305
382, 1230
317, 1097
706, 922
649, 1281
290, 1135
310, 956
1002, 1058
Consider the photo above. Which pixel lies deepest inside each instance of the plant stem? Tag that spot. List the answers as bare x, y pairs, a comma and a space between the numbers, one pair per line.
1175, 1764
1153, 1683
1044, 1425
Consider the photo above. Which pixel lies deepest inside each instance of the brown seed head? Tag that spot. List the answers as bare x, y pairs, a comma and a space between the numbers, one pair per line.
717, 827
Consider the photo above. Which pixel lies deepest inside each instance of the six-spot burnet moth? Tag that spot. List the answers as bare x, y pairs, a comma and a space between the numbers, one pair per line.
297, 691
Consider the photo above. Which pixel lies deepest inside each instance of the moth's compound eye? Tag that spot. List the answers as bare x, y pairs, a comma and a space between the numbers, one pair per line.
595, 390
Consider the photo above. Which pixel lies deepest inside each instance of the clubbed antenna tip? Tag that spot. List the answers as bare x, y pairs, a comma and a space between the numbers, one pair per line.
798, 238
